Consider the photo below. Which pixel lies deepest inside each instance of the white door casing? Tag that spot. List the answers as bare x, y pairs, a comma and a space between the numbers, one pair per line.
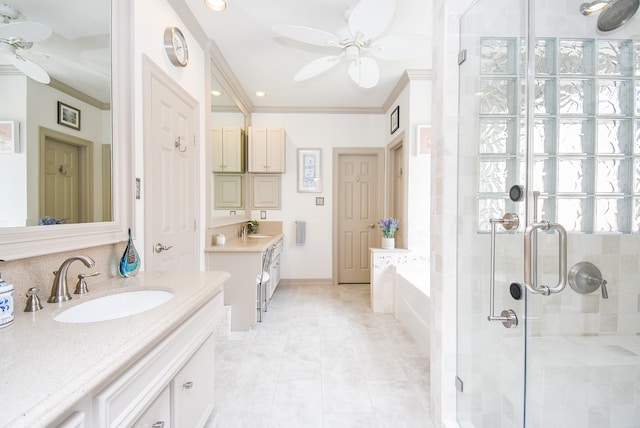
170, 168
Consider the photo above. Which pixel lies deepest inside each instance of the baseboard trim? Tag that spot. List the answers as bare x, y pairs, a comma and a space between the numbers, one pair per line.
306, 281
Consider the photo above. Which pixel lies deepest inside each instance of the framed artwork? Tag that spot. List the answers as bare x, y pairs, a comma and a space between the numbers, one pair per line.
68, 116
9, 136
423, 140
395, 119
309, 168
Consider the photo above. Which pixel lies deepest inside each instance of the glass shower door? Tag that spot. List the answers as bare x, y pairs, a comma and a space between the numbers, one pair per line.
490, 363
583, 350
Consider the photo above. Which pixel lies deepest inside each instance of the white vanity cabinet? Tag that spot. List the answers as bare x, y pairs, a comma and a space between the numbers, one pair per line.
228, 149
193, 388
171, 385
266, 150
158, 414
274, 271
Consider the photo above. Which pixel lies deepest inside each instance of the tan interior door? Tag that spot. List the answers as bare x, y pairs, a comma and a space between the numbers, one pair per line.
61, 183
397, 200
358, 203
170, 220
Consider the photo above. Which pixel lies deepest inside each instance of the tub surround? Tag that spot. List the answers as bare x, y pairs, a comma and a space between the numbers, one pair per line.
383, 275
48, 366
400, 285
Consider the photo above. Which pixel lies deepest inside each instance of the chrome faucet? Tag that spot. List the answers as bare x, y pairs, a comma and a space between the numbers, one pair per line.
245, 229
59, 289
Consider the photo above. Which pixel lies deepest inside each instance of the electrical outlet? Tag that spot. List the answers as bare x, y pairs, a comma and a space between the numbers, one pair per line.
263, 215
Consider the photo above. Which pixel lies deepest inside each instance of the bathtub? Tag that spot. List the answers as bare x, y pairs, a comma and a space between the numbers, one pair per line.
413, 303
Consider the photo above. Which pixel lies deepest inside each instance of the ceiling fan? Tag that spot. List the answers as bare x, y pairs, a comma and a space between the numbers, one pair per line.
365, 23
21, 35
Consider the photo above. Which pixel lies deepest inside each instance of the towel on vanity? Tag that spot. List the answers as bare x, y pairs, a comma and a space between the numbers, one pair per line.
301, 231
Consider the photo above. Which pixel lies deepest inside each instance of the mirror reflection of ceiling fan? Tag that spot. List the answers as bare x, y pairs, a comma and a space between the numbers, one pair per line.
21, 35
365, 23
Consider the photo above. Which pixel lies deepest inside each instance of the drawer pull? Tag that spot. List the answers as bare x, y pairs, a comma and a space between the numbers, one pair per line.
159, 424
187, 385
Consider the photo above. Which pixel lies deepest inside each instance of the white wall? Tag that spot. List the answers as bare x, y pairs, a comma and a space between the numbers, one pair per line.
13, 166
324, 131
151, 17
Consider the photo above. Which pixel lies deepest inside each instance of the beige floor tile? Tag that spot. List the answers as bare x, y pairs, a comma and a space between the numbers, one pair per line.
322, 359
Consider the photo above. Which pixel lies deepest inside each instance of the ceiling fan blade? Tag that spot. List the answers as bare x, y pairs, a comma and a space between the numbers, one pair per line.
30, 68
399, 46
365, 72
25, 31
371, 17
316, 67
307, 35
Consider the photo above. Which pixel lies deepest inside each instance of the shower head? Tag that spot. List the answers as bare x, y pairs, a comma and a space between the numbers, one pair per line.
594, 6
617, 14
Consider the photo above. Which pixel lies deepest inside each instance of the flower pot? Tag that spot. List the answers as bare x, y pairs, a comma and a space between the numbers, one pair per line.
388, 243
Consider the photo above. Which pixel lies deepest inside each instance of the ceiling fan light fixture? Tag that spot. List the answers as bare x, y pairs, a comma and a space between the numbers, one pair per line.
594, 6
216, 5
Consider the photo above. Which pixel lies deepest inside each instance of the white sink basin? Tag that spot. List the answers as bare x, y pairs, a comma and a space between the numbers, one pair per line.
114, 306
259, 236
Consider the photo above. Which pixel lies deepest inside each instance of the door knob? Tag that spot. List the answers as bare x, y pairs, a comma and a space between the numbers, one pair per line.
372, 226
158, 248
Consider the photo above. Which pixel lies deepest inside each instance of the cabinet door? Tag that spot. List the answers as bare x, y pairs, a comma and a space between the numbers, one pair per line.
275, 150
193, 388
228, 191
233, 149
217, 148
265, 191
258, 150
158, 414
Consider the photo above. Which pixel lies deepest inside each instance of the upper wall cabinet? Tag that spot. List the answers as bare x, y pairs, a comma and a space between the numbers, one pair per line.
228, 149
266, 150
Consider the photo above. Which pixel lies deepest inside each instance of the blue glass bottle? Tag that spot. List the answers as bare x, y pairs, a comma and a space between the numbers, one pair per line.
130, 260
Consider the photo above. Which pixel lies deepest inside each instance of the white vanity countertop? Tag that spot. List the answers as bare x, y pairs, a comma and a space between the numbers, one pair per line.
46, 366
240, 245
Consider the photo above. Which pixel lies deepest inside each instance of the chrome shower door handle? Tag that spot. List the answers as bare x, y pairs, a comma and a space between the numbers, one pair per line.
529, 256
507, 317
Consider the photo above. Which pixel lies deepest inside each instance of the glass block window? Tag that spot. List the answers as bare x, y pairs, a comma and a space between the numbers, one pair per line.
586, 131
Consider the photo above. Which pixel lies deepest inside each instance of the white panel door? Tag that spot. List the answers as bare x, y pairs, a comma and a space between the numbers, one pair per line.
170, 227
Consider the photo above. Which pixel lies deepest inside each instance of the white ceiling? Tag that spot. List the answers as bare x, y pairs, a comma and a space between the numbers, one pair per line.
264, 61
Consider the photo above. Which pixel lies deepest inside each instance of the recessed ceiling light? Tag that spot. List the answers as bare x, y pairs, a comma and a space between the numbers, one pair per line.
216, 93
217, 5
260, 93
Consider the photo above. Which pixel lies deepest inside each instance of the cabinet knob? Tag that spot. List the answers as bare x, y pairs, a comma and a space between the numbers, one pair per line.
159, 424
187, 385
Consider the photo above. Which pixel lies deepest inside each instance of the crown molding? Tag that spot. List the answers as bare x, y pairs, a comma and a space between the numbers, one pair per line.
407, 77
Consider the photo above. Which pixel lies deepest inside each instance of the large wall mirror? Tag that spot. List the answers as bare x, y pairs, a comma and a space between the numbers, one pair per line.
228, 120
65, 154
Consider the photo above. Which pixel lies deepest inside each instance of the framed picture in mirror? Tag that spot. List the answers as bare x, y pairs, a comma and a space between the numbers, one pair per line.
68, 116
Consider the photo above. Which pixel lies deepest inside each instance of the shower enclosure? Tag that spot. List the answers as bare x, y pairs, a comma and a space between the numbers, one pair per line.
548, 298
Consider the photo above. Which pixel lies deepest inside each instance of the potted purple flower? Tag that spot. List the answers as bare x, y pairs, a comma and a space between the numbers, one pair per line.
388, 227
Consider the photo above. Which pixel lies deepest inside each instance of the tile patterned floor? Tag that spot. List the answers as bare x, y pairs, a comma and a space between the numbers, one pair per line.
322, 358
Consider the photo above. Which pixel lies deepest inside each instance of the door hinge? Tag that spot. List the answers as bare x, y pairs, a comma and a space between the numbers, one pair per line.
462, 56
194, 226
